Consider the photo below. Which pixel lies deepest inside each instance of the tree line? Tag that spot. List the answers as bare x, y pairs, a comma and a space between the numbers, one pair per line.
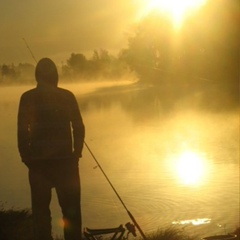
205, 49
102, 65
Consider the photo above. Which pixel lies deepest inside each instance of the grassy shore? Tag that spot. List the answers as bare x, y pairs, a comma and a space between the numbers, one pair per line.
17, 225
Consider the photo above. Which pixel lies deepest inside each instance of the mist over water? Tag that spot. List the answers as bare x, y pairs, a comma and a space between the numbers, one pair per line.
172, 161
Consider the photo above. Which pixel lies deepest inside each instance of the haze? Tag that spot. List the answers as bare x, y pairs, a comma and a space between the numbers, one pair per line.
58, 28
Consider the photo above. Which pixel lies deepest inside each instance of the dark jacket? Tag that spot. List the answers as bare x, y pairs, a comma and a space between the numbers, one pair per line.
50, 125
46, 118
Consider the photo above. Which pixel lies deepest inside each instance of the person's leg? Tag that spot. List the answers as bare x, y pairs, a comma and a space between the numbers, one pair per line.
68, 192
41, 197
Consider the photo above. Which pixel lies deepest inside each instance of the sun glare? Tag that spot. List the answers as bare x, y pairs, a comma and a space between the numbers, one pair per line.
190, 168
177, 9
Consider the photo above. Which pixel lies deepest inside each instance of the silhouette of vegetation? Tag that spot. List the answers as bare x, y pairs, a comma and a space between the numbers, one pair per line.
16, 225
169, 234
205, 49
11, 74
101, 65
8, 73
202, 56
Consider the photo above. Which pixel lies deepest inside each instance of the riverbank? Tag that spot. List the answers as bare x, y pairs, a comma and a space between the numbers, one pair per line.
16, 225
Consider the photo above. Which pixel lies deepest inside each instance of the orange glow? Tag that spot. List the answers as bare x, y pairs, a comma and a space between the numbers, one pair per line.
177, 9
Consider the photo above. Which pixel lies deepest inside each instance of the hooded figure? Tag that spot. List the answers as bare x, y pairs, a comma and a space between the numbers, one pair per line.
50, 141
46, 72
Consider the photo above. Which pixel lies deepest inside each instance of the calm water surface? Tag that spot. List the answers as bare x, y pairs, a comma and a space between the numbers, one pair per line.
170, 162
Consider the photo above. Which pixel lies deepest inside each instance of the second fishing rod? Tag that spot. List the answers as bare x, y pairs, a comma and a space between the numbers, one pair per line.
120, 199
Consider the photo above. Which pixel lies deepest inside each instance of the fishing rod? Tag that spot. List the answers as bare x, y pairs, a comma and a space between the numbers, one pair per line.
29, 49
128, 212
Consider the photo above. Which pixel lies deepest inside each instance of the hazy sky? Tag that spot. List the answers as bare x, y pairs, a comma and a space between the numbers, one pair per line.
57, 28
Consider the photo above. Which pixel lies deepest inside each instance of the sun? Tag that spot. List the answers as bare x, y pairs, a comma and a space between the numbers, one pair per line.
176, 9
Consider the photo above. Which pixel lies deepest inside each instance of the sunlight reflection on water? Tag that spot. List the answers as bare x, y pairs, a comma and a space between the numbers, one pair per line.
198, 221
191, 168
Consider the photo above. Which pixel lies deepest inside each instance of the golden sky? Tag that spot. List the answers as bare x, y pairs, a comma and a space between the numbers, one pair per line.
57, 28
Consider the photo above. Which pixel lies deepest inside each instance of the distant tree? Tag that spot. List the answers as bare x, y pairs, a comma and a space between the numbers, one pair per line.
77, 64
149, 51
26, 72
5, 70
9, 73
211, 44
109, 66
66, 72
101, 65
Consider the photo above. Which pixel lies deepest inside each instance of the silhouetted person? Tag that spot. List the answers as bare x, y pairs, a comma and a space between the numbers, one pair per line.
50, 141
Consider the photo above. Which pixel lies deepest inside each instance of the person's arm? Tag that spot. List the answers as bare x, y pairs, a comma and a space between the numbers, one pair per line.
23, 130
78, 129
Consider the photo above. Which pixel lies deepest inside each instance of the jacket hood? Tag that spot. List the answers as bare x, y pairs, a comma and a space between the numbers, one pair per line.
46, 72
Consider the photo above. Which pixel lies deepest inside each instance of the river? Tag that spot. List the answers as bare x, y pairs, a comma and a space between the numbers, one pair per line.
172, 163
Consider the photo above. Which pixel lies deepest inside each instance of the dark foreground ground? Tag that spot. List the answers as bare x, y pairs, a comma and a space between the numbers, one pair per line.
16, 225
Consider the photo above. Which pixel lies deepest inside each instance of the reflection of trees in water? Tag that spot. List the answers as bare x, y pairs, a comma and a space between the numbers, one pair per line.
148, 101
135, 99
141, 101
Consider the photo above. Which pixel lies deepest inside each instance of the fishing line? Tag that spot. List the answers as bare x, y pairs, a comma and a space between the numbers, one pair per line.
128, 212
